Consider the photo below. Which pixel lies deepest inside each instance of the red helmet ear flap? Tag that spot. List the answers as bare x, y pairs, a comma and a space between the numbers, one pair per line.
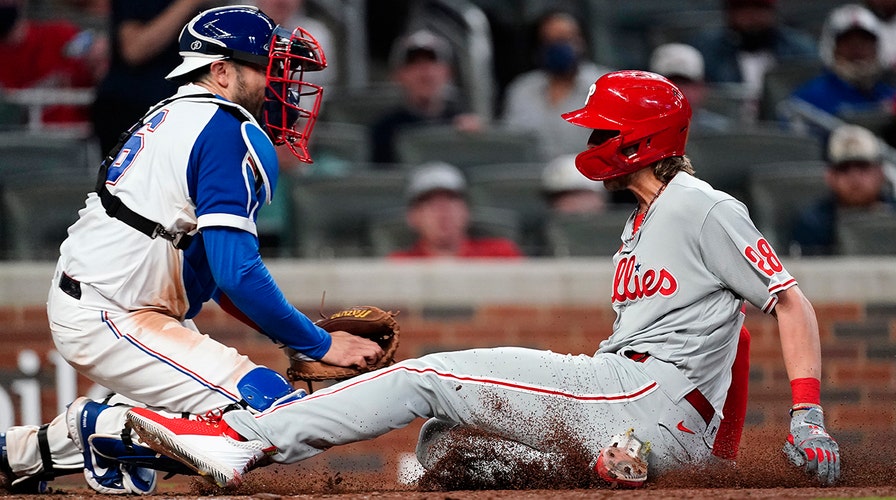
603, 161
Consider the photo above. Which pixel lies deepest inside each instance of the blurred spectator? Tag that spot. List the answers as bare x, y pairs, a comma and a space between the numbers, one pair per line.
48, 54
856, 180
853, 78
291, 13
422, 66
683, 65
143, 44
752, 41
885, 10
439, 213
536, 99
567, 191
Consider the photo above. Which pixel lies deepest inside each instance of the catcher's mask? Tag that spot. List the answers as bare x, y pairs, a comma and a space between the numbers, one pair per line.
638, 118
291, 104
245, 34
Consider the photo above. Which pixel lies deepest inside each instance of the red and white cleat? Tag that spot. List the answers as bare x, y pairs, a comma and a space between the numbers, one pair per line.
212, 449
624, 463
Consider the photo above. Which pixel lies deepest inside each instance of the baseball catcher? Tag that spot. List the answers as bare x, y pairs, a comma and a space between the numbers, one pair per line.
369, 322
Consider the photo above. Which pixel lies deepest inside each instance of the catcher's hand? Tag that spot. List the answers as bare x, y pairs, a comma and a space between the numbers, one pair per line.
367, 322
810, 446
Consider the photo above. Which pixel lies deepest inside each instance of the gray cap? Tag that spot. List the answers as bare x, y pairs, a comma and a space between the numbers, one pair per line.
853, 143
677, 60
420, 41
561, 174
435, 176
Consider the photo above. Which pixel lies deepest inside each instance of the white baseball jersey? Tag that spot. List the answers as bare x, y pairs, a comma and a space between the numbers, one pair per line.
136, 272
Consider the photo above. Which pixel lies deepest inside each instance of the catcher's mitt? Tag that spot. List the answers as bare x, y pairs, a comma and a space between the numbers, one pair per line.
369, 322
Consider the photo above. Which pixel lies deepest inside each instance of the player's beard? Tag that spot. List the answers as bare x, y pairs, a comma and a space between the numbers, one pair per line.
618, 183
252, 101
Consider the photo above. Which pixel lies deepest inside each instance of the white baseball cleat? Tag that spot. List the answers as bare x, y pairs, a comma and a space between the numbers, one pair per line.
212, 449
624, 463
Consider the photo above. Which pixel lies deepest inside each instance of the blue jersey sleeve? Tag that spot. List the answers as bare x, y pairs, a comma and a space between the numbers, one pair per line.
232, 171
239, 273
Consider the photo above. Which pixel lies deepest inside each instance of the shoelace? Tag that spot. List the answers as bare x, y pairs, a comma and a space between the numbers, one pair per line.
215, 415
215, 418
211, 417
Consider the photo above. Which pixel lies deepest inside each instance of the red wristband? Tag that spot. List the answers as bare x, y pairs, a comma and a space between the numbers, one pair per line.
806, 390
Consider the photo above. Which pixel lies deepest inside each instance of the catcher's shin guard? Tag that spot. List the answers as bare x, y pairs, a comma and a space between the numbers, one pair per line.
113, 464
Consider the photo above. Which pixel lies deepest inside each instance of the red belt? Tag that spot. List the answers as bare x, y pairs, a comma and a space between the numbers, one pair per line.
695, 397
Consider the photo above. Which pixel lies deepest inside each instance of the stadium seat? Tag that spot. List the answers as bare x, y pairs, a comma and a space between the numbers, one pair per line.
329, 215
725, 159
12, 116
38, 206
515, 187
730, 100
362, 106
464, 149
877, 120
32, 151
339, 142
577, 235
866, 232
778, 192
780, 81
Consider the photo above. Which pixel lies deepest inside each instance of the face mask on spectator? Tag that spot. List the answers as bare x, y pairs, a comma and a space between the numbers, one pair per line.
559, 58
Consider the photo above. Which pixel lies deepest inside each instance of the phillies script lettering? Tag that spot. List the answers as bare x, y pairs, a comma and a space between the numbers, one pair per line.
629, 283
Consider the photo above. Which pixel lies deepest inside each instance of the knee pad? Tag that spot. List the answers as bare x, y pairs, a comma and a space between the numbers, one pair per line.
261, 387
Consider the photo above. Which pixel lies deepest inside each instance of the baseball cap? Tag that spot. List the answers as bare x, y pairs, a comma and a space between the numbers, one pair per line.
852, 143
561, 174
851, 17
420, 42
435, 176
677, 60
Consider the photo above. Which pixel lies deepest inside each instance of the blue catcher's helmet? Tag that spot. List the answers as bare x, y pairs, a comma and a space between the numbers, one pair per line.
238, 32
245, 34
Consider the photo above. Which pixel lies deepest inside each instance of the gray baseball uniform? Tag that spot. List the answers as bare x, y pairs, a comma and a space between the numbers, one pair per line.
678, 291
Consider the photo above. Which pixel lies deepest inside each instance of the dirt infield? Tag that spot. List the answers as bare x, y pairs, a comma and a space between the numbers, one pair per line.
761, 472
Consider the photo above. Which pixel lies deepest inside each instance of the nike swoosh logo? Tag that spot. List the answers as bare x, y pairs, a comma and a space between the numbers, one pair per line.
682, 428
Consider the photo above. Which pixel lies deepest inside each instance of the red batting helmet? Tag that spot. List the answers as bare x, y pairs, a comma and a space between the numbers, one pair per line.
642, 115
